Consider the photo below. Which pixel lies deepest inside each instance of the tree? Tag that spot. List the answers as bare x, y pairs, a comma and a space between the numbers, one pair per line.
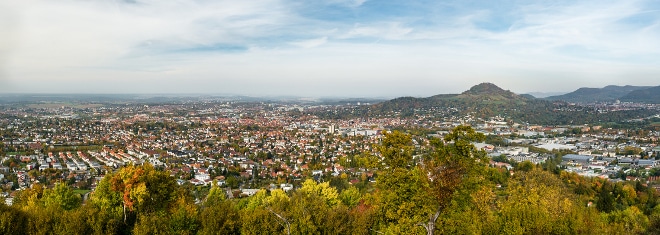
399, 186
220, 218
62, 196
12, 220
525, 166
450, 167
350, 197
323, 190
140, 189
631, 220
184, 216
216, 195
23, 197
396, 150
606, 198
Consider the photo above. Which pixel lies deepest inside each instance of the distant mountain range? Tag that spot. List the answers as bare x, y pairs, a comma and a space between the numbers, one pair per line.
488, 100
642, 94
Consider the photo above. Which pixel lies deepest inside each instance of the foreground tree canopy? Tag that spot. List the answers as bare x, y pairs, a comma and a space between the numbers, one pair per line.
447, 189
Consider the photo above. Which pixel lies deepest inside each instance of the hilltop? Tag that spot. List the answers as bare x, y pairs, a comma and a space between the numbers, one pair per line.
484, 93
489, 89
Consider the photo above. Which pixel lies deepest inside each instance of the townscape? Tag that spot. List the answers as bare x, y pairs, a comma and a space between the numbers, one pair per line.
246, 150
142, 117
247, 146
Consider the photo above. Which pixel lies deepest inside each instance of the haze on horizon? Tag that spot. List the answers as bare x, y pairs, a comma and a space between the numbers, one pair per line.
351, 48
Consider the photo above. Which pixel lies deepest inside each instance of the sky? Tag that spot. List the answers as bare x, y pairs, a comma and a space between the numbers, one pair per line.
321, 48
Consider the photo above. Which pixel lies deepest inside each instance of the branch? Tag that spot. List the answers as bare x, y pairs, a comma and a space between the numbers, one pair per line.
288, 225
379, 232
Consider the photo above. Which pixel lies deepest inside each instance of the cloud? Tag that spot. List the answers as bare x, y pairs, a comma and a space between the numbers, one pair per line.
387, 30
349, 3
389, 47
311, 43
9, 23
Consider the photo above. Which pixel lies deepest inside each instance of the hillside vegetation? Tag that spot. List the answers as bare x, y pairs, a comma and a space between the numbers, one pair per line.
649, 95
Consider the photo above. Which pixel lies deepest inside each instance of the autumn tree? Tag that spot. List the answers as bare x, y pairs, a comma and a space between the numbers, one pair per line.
219, 215
400, 196
539, 203
135, 190
453, 165
13, 220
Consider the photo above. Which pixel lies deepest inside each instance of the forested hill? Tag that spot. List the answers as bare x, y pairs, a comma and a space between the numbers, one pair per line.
488, 100
594, 95
485, 96
649, 95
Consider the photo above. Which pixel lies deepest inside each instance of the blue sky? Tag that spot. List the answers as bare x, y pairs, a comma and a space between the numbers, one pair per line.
356, 48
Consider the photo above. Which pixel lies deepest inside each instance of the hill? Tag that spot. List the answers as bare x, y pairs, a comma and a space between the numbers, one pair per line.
487, 100
483, 100
595, 95
647, 95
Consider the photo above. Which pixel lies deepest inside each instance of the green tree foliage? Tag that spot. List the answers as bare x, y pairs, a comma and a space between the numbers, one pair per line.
396, 150
220, 217
538, 203
13, 220
400, 196
322, 190
630, 220
30, 195
525, 166
61, 196
350, 197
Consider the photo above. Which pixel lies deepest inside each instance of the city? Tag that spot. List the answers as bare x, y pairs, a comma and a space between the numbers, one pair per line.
251, 145
361, 117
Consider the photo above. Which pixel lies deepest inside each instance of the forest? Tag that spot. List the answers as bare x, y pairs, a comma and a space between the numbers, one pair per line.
450, 189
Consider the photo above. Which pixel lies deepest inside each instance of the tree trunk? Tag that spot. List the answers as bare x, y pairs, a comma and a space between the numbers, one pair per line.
286, 224
124, 213
430, 225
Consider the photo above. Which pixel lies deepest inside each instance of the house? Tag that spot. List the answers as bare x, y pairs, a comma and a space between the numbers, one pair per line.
31, 166
286, 187
656, 151
44, 167
577, 158
645, 163
26, 158
249, 192
626, 160
57, 165
202, 176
